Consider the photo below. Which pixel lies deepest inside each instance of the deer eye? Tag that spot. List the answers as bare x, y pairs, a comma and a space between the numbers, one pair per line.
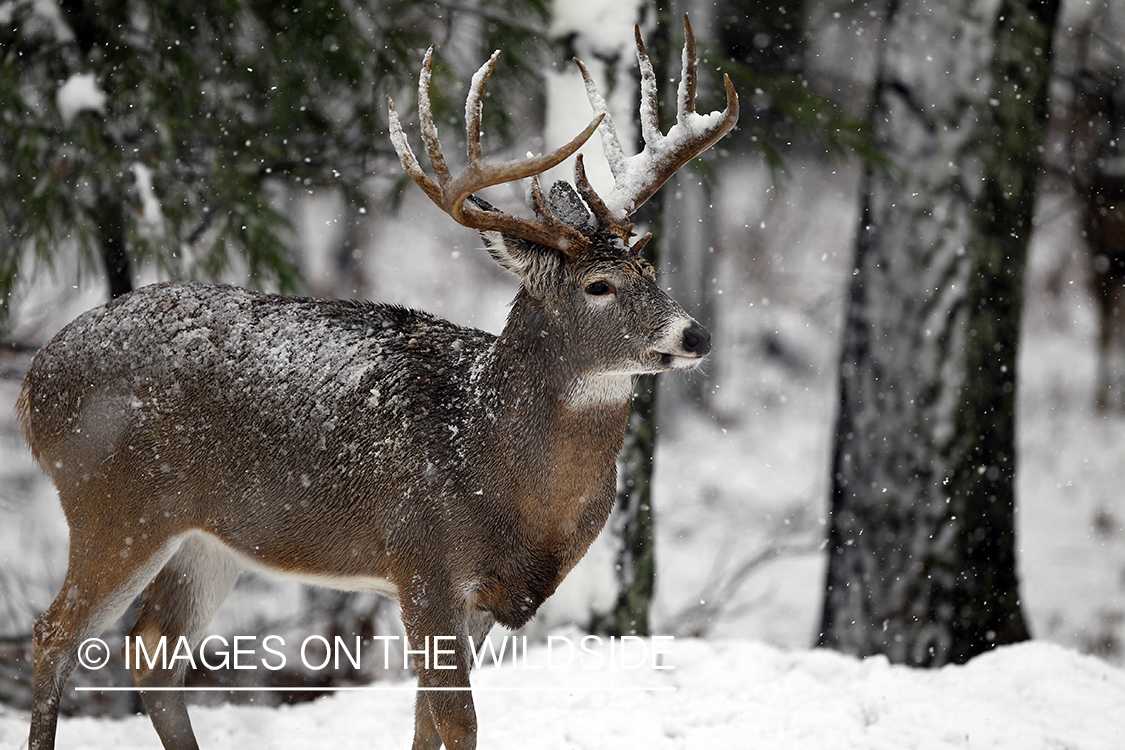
599, 288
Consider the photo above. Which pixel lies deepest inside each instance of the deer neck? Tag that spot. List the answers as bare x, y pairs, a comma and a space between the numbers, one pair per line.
553, 462
564, 422
539, 361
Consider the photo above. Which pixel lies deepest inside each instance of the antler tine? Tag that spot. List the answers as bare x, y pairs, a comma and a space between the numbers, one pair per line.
450, 193
636, 178
473, 106
426, 117
611, 144
429, 137
650, 102
605, 219
586, 190
542, 208
406, 155
685, 93
639, 244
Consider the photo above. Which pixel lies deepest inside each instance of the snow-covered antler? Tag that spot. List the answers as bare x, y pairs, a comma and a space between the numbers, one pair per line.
450, 193
637, 177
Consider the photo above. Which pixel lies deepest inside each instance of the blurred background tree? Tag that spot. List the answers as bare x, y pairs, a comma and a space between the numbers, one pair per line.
149, 131
921, 541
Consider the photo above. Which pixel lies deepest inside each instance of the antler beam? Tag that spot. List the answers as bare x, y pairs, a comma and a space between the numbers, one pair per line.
451, 192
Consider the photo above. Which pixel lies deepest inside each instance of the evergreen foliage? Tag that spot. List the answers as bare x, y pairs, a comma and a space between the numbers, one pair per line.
216, 103
761, 47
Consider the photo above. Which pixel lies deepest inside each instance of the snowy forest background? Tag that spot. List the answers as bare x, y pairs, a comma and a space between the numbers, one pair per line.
761, 243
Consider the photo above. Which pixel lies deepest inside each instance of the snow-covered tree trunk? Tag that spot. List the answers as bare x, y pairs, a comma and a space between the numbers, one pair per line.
922, 541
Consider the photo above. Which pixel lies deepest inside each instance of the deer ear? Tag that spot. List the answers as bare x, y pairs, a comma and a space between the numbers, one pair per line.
564, 203
511, 253
534, 264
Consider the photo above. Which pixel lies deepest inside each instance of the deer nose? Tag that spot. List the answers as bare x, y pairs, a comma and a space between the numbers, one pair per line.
697, 340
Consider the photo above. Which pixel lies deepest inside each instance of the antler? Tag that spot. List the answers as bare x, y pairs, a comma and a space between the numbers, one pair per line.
637, 177
450, 193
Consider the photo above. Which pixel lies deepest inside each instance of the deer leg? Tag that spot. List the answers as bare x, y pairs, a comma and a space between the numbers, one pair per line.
105, 573
477, 624
452, 716
426, 735
443, 712
177, 605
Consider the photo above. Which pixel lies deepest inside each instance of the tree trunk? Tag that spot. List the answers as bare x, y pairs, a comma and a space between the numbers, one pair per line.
109, 217
922, 535
632, 516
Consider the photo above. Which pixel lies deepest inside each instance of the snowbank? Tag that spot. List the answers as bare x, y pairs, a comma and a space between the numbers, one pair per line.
731, 694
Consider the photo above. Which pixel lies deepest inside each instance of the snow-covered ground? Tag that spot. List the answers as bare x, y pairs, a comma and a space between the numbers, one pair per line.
722, 693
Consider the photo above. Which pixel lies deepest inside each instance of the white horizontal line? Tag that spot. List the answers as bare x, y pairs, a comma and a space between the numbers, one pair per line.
368, 688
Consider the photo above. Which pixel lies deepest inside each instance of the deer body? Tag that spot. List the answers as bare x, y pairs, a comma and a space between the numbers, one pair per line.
300, 410
193, 431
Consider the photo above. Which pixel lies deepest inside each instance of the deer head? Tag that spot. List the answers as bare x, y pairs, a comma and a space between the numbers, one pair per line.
578, 258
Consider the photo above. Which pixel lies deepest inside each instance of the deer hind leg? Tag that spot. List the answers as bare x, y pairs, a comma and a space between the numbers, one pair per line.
105, 573
176, 607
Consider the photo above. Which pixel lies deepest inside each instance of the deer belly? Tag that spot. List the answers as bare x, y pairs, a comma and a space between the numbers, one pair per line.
313, 571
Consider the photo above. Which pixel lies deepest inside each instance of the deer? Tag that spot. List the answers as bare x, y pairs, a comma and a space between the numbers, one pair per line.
195, 431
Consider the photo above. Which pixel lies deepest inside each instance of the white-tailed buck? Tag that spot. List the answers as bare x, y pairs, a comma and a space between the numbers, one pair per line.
194, 431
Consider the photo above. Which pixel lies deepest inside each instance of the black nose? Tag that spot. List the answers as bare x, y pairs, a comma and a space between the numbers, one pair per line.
697, 339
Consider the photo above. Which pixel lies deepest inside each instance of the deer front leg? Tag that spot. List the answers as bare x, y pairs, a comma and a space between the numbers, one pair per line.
477, 625
443, 712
